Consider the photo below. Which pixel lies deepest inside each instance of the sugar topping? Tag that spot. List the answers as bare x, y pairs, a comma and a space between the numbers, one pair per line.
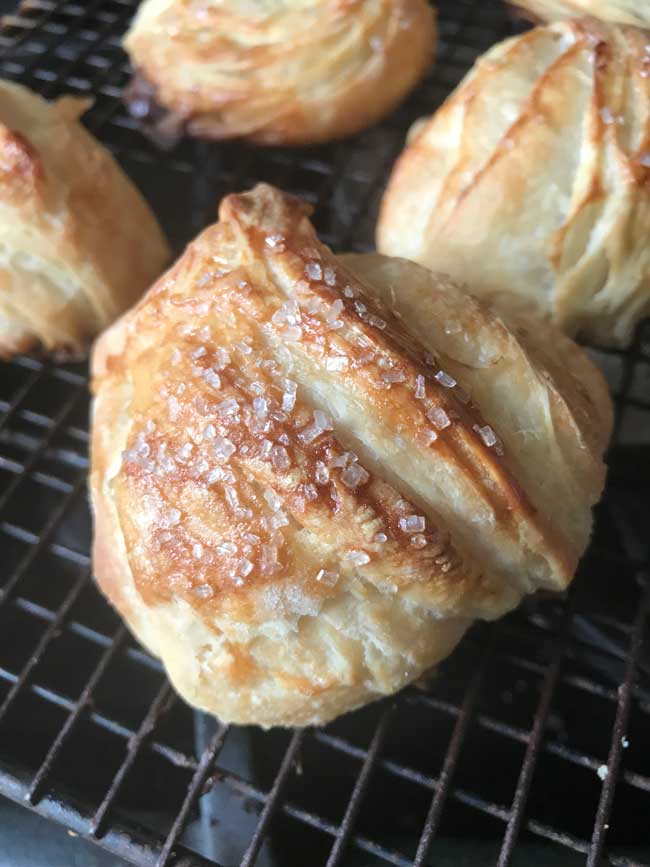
359, 558
392, 376
322, 473
336, 363
330, 579
268, 559
487, 435
427, 436
412, 524
212, 378
221, 359
185, 451
280, 458
278, 519
320, 425
260, 407
170, 518
227, 407
438, 417
290, 389
445, 379
250, 408
243, 568
173, 407
287, 314
354, 475
243, 347
232, 497
313, 271
293, 333
224, 448
333, 313
272, 499
608, 117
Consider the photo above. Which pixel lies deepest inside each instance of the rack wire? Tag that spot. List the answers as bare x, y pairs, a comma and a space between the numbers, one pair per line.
532, 743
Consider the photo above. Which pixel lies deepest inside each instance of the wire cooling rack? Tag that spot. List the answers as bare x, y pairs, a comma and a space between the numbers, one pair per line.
531, 746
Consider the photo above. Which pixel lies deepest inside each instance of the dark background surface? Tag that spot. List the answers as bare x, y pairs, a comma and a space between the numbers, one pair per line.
547, 675
26, 839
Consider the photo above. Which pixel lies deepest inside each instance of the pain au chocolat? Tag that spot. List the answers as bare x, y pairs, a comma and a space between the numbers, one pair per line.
311, 473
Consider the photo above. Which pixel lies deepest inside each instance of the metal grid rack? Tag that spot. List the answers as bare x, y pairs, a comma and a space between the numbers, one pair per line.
531, 745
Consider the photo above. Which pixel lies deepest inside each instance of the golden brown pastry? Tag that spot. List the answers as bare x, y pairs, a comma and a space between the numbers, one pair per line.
287, 72
78, 243
306, 485
534, 177
635, 12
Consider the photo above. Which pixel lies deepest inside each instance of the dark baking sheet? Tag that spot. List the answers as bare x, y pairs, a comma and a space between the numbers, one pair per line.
495, 762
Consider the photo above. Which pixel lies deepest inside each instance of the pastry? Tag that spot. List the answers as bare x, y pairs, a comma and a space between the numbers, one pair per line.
534, 177
305, 489
78, 243
289, 72
635, 12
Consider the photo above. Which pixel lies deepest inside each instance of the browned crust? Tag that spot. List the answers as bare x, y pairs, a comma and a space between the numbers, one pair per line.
619, 64
63, 196
19, 161
538, 11
244, 90
214, 514
248, 220
257, 214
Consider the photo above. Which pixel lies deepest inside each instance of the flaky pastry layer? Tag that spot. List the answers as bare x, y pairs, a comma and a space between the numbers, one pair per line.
289, 72
534, 177
311, 473
78, 243
633, 12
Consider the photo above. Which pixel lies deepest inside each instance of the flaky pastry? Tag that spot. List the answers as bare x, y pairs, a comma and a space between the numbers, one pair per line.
311, 473
287, 72
534, 177
78, 243
634, 12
